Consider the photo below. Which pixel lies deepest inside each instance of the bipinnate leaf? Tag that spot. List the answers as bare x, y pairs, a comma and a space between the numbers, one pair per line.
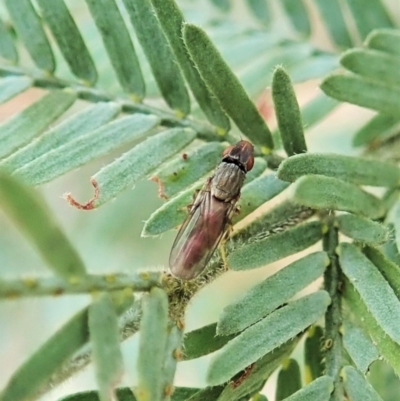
386, 40
322, 192
357, 387
104, 337
318, 390
119, 46
288, 113
69, 39
85, 148
135, 165
25, 125
374, 290
266, 335
226, 87
275, 247
271, 293
159, 55
68, 130
359, 346
313, 354
29, 212
347, 168
289, 379
152, 346
362, 229
171, 19
12, 86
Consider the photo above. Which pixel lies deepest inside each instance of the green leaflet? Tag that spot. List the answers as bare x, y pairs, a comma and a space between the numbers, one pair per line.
348, 168
12, 86
395, 216
275, 247
28, 210
288, 113
386, 40
171, 20
318, 390
85, 148
226, 87
330, 193
369, 18
135, 165
297, 12
104, 337
363, 92
29, 28
261, 11
362, 229
69, 39
357, 386
373, 64
373, 289
71, 128
159, 54
266, 335
152, 346
223, 5
313, 354
119, 46
289, 379
359, 346
271, 293
203, 341
7, 48
25, 125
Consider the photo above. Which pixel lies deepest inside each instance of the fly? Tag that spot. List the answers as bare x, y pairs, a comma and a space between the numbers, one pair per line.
211, 213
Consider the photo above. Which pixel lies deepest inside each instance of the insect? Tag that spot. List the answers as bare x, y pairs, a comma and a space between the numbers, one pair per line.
211, 212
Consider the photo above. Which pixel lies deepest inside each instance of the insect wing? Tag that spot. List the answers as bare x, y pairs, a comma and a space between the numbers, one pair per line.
199, 235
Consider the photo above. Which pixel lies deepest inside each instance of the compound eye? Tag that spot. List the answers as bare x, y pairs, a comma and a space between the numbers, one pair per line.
250, 163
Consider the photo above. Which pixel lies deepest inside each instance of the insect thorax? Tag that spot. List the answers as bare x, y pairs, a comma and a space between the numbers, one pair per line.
227, 181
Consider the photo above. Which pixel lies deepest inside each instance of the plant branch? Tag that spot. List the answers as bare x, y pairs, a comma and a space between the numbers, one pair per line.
333, 317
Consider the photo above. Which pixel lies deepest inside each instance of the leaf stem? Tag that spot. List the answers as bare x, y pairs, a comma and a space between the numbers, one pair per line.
333, 317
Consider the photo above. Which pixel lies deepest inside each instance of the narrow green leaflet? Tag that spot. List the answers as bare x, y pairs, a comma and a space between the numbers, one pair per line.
297, 12
187, 168
314, 365
395, 213
69, 39
374, 290
369, 18
104, 337
203, 341
85, 148
226, 87
387, 40
359, 346
135, 165
331, 13
22, 127
208, 393
275, 247
260, 10
266, 335
171, 20
152, 346
330, 193
348, 168
288, 113
373, 64
30, 30
289, 380
388, 349
7, 48
119, 46
71, 128
271, 293
317, 109
362, 229
363, 92
12, 86
223, 5
319, 390
159, 54
380, 127
357, 386
28, 210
